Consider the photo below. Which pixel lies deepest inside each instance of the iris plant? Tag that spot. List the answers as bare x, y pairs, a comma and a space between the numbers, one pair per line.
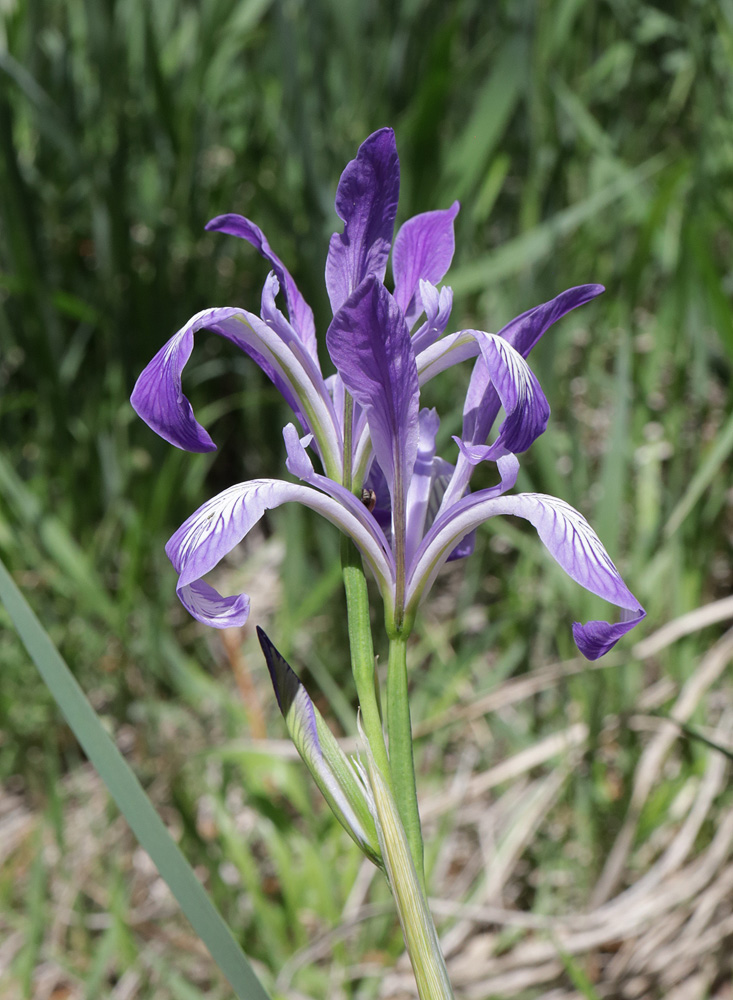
363, 453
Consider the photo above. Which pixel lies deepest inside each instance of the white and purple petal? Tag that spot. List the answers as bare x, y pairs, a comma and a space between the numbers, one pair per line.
158, 394
301, 314
567, 536
421, 482
437, 305
527, 410
221, 523
423, 249
366, 202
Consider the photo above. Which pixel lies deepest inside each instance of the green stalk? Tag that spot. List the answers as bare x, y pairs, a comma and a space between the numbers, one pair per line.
421, 938
359, 623
362, 650
402, 764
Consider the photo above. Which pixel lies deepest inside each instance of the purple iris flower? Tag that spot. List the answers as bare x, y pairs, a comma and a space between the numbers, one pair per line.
364, 424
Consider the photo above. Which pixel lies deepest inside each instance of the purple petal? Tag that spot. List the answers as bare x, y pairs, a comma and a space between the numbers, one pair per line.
366, 202
158, 395
594, 639
568, 537
524, 331
301, 314
482, 402
210, 608
465, 548
423, 248
527, 410
370, 345
447, 352
221, 524
437, 305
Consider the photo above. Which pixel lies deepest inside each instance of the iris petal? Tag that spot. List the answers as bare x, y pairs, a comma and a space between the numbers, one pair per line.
301, 314
567, 536
522, 333
159, 399
370, 345
423, 248
437, 305
222, 522
366, 202
525, 330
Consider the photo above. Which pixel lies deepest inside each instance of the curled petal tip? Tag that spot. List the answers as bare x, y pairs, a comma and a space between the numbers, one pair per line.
210, 608
596, 638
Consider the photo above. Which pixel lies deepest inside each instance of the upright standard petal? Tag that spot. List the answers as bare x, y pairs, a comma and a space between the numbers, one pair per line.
366, 202
567, 536
370, 345
300, 313
423, 249
221, 523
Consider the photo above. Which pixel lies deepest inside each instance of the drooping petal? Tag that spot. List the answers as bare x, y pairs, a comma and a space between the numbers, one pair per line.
527, 410
222, 522
423, 248
567, 536
331, 769
594, 639
522, 333
370, 345
366, 202
301, 314
502, 374
158, 394
210, 608
437, 305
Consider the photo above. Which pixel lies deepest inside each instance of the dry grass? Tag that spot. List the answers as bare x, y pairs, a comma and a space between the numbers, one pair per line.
658, 922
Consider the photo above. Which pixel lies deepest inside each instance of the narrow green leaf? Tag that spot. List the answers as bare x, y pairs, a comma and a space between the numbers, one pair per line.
520, 253
707, 471
128, 793
495, 104
331, 769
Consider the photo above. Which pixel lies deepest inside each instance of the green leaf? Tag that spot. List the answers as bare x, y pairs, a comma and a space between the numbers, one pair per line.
128, 793
332, 770
471, 153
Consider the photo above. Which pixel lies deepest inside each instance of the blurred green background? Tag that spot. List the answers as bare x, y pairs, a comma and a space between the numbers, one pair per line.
587, 143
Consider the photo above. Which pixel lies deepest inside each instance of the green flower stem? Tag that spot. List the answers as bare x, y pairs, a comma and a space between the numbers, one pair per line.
362, 650
402, 764
421, 938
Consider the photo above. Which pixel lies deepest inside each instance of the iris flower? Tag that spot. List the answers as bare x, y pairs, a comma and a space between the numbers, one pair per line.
380, 481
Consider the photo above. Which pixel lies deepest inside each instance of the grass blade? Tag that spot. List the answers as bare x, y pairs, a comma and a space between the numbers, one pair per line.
520, 253
128, 793
707, 471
